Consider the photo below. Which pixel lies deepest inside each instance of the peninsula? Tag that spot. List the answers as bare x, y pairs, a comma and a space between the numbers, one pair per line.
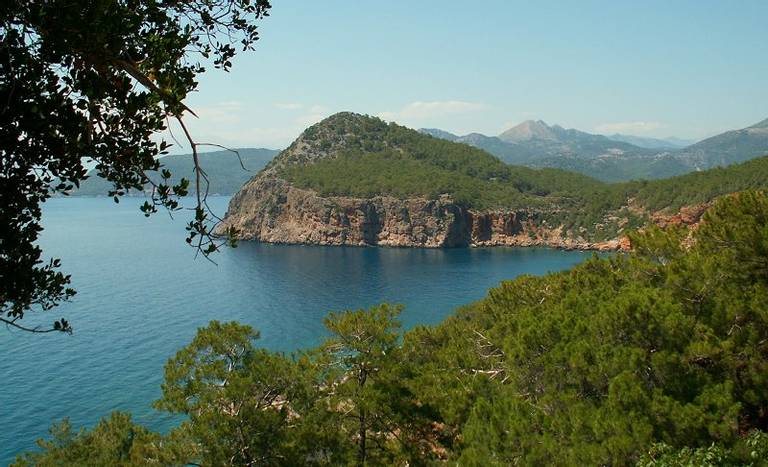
357, 180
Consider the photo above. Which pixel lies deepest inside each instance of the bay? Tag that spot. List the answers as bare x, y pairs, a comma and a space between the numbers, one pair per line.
142, 294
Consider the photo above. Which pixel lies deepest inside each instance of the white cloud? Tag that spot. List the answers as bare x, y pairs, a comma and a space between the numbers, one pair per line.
234, 137
222, 113
234, 124
231, 124
631, 128
289, 106
271, 137
420, 111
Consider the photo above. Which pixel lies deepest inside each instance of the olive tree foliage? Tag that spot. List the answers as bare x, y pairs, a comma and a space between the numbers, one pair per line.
97, 79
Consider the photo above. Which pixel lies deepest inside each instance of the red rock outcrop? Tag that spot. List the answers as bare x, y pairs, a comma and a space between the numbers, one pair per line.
687, 215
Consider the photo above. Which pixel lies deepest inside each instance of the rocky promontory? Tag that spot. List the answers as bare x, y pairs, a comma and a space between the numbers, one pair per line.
270, 210
311, 194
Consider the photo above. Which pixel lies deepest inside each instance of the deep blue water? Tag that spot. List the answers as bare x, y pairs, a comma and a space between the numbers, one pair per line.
141, 296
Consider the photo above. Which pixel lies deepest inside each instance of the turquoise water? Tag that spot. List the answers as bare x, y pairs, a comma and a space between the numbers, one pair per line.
141, 296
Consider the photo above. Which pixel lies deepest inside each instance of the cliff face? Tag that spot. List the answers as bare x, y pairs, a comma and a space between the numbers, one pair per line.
269, 209
290, 201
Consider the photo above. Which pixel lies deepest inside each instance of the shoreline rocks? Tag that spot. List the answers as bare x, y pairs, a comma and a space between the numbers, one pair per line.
269, 209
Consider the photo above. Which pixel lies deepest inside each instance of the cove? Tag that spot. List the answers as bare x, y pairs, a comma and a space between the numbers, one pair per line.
142, 295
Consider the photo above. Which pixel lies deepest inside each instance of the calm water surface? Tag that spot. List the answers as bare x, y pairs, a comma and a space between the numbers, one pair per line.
141, 296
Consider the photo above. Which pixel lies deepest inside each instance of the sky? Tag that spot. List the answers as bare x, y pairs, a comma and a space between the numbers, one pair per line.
689, 69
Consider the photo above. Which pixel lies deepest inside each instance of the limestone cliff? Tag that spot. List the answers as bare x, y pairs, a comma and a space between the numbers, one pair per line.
271, 207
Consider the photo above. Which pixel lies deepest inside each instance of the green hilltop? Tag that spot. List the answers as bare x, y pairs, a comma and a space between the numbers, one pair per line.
370, 157
361, 156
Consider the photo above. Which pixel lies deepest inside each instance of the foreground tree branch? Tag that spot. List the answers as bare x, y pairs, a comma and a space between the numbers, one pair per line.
98, 80
58, 327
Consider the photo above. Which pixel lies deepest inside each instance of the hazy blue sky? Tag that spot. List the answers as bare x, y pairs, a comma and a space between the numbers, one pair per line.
654, 68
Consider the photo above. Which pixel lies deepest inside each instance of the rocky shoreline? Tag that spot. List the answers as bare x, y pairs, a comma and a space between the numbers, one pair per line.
269, 209
273, 208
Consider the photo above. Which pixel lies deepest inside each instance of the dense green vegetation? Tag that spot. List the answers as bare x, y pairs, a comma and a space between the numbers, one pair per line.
396, 174
655, 358
371, 157
700, 187
664, 345
366, 157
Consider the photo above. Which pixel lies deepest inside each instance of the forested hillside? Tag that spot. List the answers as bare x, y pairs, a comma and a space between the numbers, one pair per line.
370, 157
699, 187
359, 156
658, 357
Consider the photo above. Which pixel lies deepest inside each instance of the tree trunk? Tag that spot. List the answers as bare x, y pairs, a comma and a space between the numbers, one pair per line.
361, 454
361, 446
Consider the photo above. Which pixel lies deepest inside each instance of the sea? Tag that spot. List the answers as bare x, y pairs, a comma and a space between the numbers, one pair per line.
142, 294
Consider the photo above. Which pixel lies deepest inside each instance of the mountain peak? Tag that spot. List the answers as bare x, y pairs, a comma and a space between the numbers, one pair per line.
339, 124
339, 131
529, 129
343, 117
763, 124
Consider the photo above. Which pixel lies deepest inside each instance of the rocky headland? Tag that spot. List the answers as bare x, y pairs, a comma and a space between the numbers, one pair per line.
273, 208
270, 210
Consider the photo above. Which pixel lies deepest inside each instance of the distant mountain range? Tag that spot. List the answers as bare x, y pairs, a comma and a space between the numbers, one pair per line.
728, 148
615, 158
223, 168
653, 143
